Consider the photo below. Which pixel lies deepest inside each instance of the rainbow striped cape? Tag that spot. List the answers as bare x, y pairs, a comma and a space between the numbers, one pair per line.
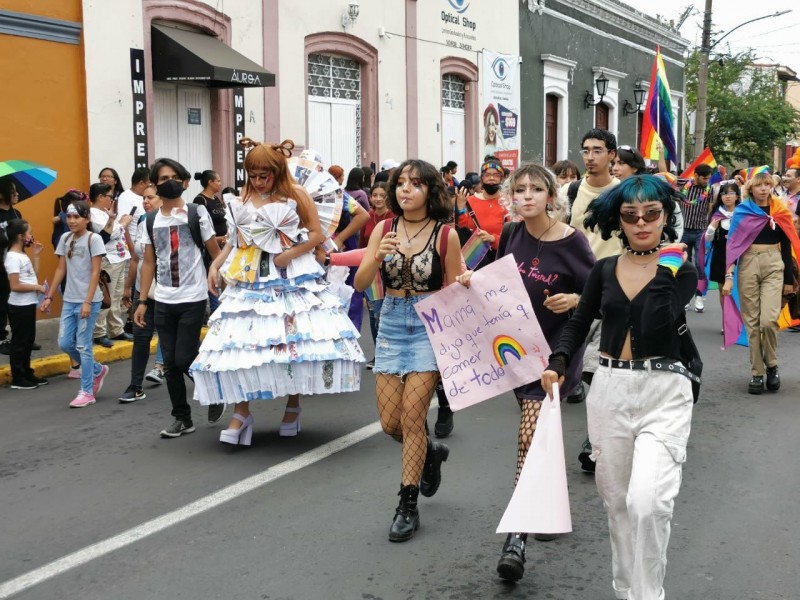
747, 221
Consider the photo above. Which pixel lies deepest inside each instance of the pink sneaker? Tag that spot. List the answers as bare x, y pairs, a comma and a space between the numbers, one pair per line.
98, 380
74, 373
82, 399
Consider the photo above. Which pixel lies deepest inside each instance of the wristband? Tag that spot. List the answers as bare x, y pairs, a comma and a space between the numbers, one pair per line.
140, 301
86, 302
728, 275
672, 258
48, 298
462, 211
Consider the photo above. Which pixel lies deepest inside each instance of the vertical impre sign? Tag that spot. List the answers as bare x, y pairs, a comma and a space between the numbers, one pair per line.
238, 134
139, 109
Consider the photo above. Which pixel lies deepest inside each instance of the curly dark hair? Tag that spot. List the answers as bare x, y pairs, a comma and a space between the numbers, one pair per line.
603, 212
439, 205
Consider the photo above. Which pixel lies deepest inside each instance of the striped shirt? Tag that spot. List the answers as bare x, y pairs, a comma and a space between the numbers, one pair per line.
695, 206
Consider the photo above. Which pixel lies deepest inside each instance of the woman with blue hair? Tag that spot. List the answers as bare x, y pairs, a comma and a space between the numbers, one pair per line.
639, 408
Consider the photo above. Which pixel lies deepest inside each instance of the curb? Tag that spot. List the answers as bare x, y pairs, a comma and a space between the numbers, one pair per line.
58, 364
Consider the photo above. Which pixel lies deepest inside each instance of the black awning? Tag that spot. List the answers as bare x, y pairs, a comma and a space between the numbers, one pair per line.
181, 56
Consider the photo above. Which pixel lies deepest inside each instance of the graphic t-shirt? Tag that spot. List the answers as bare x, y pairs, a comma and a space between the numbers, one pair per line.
19, 263
79, 264
180, 273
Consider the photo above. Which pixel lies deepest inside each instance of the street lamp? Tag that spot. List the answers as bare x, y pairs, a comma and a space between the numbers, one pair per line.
602, 87
702, 72
638, 97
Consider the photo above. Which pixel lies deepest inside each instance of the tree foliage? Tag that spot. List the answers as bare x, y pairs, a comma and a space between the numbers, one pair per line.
746, 114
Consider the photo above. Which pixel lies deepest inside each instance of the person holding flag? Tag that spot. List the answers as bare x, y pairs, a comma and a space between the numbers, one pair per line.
763, 249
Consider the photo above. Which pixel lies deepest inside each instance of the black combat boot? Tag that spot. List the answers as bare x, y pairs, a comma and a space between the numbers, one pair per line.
511, 565
406, 517
432, 471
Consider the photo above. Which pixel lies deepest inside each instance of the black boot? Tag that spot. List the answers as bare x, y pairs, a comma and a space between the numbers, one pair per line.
773, 379
511, 565
406, 517
585, 457
444, 420
432, 471
756, 385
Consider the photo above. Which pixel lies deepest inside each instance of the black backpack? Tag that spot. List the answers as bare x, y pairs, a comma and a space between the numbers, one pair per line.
572, 191
194, 229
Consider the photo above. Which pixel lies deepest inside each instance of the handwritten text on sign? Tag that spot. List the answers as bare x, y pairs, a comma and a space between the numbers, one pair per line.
486, 337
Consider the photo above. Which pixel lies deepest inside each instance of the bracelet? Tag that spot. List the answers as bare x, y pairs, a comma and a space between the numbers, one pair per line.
462, 211
672, 258
48, 298
86, 302
728, 275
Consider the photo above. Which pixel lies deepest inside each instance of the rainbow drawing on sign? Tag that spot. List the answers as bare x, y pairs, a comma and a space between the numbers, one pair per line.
503, 345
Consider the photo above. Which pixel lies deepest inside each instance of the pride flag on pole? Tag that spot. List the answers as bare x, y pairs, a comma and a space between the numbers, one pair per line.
705, 158
657, 122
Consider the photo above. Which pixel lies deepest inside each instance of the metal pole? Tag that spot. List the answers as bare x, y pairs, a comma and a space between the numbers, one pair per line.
702, 84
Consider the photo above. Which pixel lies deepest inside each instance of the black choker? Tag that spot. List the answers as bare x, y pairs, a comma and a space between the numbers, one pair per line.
417, 221
643, 252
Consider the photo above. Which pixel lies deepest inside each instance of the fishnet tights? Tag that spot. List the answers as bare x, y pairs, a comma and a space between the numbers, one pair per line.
527, 427
403, 409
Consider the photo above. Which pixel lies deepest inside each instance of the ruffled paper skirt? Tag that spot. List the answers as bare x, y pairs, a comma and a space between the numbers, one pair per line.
277, 337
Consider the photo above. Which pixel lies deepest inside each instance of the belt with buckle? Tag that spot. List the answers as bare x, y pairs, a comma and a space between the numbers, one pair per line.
657, 364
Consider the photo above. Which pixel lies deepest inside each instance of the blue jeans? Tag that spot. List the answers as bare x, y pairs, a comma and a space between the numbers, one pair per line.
75, 338
374, 307
693, 238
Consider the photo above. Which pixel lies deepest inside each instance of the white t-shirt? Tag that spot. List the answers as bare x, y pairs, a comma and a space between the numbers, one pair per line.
18, 262
127, 201
180, 273
79, 264
116, 248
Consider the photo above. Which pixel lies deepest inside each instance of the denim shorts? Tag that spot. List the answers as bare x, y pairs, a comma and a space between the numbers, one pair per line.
402, 345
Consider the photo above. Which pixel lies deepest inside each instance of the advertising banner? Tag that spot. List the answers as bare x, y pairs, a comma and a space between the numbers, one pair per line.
500, 127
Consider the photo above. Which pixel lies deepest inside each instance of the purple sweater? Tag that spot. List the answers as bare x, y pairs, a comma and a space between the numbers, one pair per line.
560, 267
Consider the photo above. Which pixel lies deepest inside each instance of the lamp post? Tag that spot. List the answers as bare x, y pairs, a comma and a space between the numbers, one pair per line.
702, 73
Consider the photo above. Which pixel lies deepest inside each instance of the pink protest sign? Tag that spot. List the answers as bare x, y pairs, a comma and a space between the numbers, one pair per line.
486, 337
540, 503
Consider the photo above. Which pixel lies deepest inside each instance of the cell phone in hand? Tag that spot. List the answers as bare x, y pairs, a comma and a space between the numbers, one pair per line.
133, 211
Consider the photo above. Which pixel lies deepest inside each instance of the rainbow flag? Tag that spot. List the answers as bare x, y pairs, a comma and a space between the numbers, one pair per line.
375, 289
705, 158
473, 251
747, 174
658, 122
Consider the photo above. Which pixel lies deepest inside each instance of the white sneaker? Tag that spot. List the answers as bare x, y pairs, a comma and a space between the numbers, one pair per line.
156, 375
699, 304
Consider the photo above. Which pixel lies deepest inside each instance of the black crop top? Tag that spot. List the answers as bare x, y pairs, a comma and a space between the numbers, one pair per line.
421, 272
650, 316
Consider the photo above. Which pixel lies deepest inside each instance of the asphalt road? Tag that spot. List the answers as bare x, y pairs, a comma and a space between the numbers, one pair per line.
70, 479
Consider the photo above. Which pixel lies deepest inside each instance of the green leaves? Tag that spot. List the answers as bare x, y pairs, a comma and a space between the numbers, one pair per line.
746, 114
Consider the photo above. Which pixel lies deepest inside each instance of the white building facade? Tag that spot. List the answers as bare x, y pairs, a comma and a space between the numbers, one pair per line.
181, 78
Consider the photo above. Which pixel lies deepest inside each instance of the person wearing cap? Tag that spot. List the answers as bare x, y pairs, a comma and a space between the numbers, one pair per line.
484, 212
389, 165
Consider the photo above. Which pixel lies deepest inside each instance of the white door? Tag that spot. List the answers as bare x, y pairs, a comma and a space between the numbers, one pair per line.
453, 138
183, 128
333, 131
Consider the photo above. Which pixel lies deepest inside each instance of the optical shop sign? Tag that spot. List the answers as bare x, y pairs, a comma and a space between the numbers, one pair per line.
486, 337
501, 107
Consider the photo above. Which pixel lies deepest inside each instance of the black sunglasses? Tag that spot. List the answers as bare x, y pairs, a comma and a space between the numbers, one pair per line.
71, 247
633, 218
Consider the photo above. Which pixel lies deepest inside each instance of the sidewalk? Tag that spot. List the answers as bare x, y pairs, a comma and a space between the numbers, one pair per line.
50, 361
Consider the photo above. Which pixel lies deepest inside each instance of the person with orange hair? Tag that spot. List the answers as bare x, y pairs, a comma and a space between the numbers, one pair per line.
278, 330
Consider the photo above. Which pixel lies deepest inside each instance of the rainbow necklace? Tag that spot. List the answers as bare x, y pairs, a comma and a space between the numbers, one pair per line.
699, 200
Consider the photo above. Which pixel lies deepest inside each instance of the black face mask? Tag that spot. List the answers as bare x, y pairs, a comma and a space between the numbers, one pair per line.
491, 188
170, 189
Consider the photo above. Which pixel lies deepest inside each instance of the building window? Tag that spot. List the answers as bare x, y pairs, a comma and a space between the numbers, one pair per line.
334, 96
453, 91
551, 130
601, 116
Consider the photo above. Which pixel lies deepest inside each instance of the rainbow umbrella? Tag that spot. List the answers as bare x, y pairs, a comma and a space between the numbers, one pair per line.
28, 177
